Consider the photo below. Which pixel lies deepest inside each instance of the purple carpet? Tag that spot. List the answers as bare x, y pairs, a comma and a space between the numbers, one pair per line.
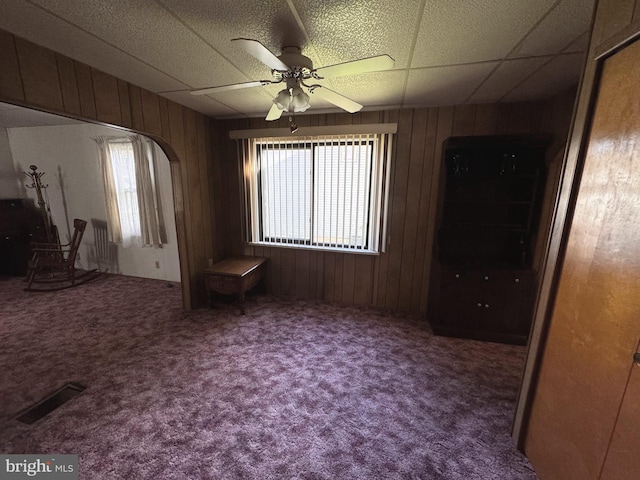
292, 390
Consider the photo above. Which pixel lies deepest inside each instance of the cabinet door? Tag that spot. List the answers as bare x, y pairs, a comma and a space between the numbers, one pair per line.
519, 298
457, 308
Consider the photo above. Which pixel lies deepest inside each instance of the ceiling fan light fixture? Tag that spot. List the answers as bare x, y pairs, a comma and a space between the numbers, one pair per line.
299, 100
292, 100
283, 99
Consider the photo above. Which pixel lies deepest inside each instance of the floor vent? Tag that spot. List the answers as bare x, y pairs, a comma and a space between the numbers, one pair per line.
50, 403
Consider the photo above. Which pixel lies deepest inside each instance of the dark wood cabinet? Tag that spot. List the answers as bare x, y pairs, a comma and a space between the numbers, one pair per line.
20, 224
482, 283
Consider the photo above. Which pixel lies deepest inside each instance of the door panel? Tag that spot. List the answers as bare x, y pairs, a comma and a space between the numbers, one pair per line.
596, 319
623, 457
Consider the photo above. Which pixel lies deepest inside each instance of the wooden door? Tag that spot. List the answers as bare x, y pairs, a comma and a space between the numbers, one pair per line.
587, 364
623, 457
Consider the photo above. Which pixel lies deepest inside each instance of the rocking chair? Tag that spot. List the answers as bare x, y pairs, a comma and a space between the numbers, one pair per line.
53, 263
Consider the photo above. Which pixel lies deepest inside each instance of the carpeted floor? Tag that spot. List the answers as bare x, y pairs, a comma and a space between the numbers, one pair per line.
292, 390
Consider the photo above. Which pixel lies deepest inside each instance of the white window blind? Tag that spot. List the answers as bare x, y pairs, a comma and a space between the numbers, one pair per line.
323, 192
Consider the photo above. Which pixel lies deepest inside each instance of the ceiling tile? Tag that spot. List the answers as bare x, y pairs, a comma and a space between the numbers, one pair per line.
202, 104
342, 31
450, 85
270, 22
372, 89
456, 32
560, 28
505, 78
559, 74
580, 44
148, 31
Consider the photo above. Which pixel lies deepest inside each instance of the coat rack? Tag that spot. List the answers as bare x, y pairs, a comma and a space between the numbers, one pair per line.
51, 230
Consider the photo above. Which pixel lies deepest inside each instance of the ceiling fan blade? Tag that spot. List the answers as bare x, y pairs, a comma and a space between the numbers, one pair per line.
274, 113
262, 53
233, 86
337, 99
371, 64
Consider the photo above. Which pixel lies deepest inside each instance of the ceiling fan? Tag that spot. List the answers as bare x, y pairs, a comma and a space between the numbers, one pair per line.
295, 70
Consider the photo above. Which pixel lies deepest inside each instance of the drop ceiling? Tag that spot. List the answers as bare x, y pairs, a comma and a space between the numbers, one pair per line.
446, 52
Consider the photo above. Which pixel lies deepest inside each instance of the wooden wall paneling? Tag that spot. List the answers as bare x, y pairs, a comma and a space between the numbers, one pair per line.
194, 193
183, 237
370, 117
382, 261
275, 274
227, 149
329, 276
422, 271
164, 117
486, 119
208, 219
526, 118
179, 170
39, 72
363, 285
236, 199
302, 274
504, 117
342, 118
319, 275
397, 205
313, 274
151, 118
556, 121
219, 144
85, 90
10, 78
348, 277
107, 98
416, 165
68, 85
464, 120
444, 130
288, 271
338, 277
125, 107
135, 99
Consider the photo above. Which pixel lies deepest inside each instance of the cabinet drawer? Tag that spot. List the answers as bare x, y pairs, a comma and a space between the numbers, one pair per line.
223, 285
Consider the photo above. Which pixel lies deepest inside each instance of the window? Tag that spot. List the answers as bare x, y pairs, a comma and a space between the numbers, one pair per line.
316, 192
133, 208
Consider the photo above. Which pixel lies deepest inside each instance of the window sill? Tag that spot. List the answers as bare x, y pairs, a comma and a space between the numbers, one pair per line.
313, 249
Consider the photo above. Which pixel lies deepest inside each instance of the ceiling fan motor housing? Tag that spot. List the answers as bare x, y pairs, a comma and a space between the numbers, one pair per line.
292, 57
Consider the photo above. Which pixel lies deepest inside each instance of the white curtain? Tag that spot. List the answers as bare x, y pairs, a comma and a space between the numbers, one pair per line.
111, 199
133, 213
149, 218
